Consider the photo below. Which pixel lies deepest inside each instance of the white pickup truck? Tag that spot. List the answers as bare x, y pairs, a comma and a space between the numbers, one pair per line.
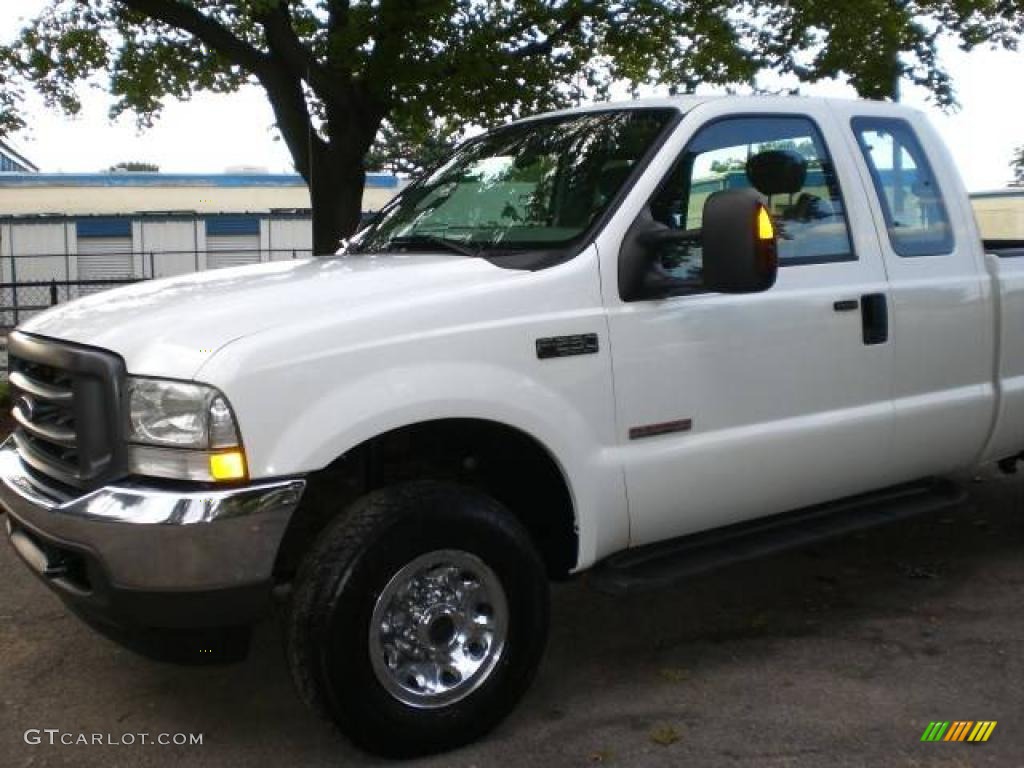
647, 338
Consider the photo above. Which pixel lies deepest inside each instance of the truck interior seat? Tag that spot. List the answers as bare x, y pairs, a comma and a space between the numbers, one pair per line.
777, 172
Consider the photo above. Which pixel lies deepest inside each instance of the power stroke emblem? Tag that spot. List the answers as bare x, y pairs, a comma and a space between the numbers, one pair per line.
567, 346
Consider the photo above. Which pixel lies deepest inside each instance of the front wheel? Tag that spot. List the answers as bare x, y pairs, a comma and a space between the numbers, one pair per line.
418, 619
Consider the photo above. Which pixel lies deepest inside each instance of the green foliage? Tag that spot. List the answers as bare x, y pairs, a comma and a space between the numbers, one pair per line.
471, 61
133, 166
725, 166
336, 70
1017, 166
411, 150
805, 148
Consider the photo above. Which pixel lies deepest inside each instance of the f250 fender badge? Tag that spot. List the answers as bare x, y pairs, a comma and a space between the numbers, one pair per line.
566, 346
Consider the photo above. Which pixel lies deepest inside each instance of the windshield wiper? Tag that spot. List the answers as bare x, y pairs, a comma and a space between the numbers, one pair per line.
425, 239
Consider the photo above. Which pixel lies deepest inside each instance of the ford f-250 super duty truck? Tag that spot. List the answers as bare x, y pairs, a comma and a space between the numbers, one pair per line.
647, 337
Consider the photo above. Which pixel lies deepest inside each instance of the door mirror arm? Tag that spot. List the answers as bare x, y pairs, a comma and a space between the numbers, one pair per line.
639, 275
738, 241
654, 239
656, 283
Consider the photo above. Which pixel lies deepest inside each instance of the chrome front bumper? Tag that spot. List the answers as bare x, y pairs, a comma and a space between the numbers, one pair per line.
148, 538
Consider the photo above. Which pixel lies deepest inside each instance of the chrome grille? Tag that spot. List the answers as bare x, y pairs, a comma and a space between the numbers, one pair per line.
43, 407
65, 402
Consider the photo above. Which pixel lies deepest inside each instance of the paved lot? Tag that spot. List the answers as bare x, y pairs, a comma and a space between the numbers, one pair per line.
836, 656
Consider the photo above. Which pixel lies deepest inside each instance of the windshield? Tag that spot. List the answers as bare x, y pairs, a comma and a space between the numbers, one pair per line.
533, 185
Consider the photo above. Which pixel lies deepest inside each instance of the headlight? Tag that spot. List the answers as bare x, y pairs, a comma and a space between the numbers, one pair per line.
182, 430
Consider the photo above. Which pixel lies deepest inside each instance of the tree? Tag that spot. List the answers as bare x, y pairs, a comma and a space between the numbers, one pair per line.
335, 70
411, 150
1017, 166
133, 166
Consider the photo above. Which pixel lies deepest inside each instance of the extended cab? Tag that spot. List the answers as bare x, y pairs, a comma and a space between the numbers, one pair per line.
649, 337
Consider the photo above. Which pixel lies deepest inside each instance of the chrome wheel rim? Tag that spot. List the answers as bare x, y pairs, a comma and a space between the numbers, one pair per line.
438, 629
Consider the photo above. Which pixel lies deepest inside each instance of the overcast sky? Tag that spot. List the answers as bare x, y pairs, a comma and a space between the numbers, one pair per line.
212, 133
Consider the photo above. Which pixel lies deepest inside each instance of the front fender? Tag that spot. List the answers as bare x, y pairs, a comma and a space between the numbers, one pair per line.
306, 395
367, 406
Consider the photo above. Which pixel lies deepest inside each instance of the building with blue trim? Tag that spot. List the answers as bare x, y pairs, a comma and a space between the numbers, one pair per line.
12, 161
109, 227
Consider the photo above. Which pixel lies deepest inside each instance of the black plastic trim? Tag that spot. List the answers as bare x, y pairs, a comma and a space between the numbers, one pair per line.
98, 382
567, 346
874, 309
667, 563
190, 627
1005, 249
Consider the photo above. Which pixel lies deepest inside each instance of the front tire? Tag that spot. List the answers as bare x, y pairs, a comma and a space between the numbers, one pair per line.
418, 618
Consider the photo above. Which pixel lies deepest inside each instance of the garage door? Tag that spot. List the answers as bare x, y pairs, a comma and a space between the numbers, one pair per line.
232, 241
104, 252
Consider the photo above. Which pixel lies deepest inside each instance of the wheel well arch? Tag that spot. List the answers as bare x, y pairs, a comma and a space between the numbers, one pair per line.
504, 461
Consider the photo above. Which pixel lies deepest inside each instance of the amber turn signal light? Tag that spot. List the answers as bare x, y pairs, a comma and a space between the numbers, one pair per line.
229, 465
765, 228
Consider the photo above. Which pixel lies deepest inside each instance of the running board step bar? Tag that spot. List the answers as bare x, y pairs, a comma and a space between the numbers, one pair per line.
665, 564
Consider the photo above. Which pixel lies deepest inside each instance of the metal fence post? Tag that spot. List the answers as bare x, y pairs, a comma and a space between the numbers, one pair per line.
14, 281
53, 293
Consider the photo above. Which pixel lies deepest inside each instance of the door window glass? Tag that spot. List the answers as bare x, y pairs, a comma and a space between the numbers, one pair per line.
786, 160
915, 215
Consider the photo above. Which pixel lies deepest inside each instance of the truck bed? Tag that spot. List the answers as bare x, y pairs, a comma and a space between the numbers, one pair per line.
1005, 249
1005, 261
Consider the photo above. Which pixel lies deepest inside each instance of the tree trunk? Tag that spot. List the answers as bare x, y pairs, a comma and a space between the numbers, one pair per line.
336, 196
333, 169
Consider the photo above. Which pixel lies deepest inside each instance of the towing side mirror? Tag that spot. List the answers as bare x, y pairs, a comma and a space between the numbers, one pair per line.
740, 250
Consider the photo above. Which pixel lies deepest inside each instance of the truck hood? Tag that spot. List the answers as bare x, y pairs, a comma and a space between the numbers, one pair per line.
171, 327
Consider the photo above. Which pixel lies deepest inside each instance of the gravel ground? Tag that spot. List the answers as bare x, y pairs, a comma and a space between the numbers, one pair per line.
834, 656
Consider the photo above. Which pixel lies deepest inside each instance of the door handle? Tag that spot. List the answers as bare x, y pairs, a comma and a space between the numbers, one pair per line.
874, 318
846, 305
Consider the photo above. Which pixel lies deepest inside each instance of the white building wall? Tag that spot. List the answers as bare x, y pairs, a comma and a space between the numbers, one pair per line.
173, 244
106, 200
265, 239
1000, 217
40, 248
289, 237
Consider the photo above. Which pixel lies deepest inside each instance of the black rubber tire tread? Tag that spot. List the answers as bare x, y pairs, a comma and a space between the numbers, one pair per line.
348, 566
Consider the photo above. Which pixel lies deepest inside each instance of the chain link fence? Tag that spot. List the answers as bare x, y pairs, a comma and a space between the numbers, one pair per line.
19, 301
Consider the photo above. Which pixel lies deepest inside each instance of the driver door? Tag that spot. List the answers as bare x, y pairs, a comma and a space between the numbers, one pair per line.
731, 407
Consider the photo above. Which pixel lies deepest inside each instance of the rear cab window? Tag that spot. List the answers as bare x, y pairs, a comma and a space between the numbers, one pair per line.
916, 217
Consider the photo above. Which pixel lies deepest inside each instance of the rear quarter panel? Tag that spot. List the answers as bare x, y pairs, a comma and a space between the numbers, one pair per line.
1008, 288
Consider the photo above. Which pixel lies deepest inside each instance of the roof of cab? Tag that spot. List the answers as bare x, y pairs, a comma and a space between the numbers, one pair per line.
689, 102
